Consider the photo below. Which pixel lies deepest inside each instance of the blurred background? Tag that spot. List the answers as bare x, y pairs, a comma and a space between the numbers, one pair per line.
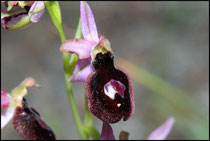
164, 47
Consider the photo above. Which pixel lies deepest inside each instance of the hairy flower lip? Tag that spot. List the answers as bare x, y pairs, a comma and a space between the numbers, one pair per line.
32, 111
27, 133
131, 95
102, 106
29, 124
98, 115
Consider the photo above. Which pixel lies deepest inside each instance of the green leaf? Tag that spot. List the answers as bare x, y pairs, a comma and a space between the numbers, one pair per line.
78, 33
55, 14
93, 132
54, 11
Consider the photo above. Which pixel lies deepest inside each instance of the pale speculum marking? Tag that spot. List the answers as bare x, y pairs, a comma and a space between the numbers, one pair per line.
118, 104
114, 87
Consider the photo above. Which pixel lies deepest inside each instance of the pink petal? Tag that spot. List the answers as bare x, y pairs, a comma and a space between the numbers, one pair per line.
162, 132
38, 9
5, 101
107, 132
88, 25
81, 47
6, 116
81, 71
82, 63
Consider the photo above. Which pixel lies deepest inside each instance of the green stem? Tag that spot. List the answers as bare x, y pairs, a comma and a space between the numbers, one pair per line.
67, 74
88, 119
68, 65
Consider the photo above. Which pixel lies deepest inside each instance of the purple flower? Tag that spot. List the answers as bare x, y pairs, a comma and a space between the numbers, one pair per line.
158, 134
83, 47
162, 131
19, 14
10, 101
26, 120
109, 89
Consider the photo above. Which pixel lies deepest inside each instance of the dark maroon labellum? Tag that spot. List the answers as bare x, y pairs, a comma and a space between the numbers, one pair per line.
109, 91
29, 124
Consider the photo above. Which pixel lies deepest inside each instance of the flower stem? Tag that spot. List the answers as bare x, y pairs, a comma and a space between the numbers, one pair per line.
68, 69
88, 119
55, 14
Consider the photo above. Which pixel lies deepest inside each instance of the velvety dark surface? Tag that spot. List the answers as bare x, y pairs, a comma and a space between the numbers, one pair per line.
29, 125
101, 105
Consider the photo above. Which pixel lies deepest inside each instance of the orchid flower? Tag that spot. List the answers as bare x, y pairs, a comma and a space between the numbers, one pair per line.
19, 14
26, 120
83, 47
158, 134
109, 90
10, 101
